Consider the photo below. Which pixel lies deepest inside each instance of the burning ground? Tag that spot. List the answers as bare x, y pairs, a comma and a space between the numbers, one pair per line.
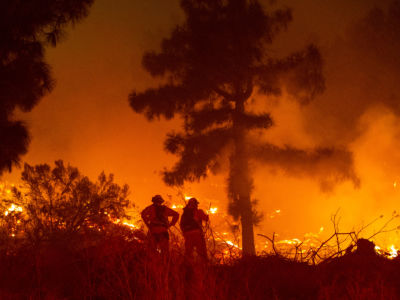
115, 261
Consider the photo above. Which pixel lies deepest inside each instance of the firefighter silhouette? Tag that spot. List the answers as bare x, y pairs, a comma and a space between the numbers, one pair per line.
156, 217
192, 228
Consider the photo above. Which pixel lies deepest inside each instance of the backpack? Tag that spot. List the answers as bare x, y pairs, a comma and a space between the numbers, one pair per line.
187, 220
160, 218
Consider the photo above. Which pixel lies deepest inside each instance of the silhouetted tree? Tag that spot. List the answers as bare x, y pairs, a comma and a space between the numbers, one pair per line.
212, 65
26, 28
60, 201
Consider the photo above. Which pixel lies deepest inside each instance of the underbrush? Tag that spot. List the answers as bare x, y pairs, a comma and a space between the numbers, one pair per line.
120, 265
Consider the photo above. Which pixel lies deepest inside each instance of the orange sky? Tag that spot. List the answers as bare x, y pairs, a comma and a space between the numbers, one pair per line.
87, 121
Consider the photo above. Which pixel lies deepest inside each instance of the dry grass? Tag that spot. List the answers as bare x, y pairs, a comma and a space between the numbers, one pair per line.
120, 265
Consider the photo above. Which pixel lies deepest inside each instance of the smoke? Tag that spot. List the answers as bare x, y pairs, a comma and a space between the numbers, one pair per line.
329, 166
358, 115
362, 71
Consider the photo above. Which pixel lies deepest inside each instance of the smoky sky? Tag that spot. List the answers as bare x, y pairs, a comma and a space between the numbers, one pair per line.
87, 121
362, 71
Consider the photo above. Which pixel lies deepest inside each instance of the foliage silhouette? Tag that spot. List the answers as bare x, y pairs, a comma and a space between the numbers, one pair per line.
26, 28
212, 66
60, 202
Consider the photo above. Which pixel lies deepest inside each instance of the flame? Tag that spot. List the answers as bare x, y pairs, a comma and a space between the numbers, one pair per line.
390, 252
230, 243
213, 210
175, 206
294, 241
12, 208
221, 225
393, 252
130, 225
275, 213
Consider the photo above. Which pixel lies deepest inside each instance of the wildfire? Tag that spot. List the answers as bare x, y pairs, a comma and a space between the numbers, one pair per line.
12, 208
175, 206
230, 243
131, 225
294, 241
275, 213
213, 210
393, 252
220, 229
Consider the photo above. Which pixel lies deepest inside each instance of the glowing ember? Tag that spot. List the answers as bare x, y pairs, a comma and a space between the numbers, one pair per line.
175, 206
129, 225
390, 252
213, 210
230, 243
393, 252
290, 242
275, 213
12, 208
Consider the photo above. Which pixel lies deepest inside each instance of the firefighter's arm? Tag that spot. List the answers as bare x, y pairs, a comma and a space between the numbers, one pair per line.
203, 216
174, 215
145, 216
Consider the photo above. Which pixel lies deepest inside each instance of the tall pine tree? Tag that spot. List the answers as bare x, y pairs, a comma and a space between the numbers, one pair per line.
212, 65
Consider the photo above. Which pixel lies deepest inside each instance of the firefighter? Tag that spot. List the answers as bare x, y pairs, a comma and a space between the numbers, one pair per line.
192, 227
156, 217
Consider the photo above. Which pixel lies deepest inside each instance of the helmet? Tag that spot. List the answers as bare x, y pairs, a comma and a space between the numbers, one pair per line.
157, 199
193, 201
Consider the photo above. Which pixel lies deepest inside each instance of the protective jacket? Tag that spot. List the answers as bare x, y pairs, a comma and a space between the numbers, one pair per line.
192, 218
156, 218
191, 226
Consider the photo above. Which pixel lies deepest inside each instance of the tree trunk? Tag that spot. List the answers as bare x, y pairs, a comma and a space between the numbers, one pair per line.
241, 182
247, 229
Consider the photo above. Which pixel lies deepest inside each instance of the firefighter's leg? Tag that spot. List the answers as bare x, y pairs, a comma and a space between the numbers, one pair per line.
201, 246
163, 243
152, 242
189, 245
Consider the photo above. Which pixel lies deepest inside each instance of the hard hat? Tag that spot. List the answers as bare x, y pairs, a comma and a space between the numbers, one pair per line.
193, 201
157, 199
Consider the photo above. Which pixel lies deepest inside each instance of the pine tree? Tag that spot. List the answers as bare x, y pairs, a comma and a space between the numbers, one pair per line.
26, 28
212, 66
